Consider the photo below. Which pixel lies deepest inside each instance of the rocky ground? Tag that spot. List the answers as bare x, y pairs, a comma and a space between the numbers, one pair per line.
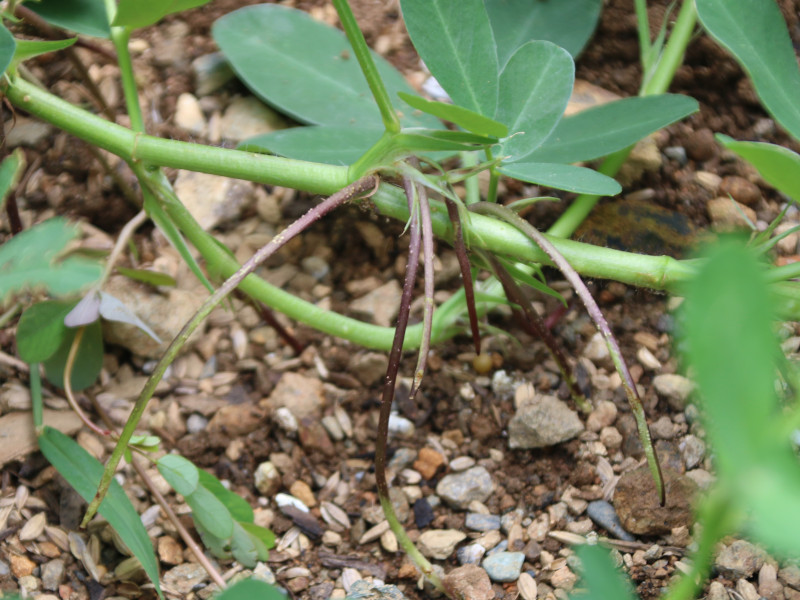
496, 474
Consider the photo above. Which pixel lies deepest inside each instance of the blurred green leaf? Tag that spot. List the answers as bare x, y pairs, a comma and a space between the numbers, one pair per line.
83, 473
243, 547
83, 16
7, 47
179, 472
141, 13
30, 260
566, 23
41, 330
563, 177
322, 143
88, 361
456, 42
248, 589
604, 129
779, 166
756, 34
535, 87
600, 578
29, 48
154, 278
270, 48
210, 513
464, 118
265, 539
10, 171
238, 507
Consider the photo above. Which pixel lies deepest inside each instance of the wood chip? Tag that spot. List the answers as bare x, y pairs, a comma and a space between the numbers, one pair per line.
33, 528
527, 587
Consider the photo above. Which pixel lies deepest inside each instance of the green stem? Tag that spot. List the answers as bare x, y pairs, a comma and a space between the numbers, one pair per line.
36, 398
120, 36
364, 56
671, 59
643, 29
471, 184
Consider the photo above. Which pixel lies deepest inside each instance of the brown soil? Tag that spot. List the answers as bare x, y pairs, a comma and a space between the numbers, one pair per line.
71, 183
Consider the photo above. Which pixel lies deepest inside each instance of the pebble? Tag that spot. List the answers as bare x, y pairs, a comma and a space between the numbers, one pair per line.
729, 215
462, 463
400, 426
302, 491
603, 415
740, 559
768, 585
52, 574
547, 422
717, 591
504, 386
663, 428
481, 522
647, 359
423, 513
402, 458
374, 533
693, 451
501, 546
389, 542
331, 538
332, 426
183, 578
596, 349
490, 539
746, 590
211, 72
740, 189
428, 462
468, 582
440, 543
707, 180
22, 131
362, 589
459, 489
380, 305
189, 115
701, 477
170, 552
213, 199
527, 587
267, 479
14, 396
790, 575
470, 554
611, 438
674, 388
563, 578
701, 145
286, 500
604, 515
504, 566
303, 396
369, 368
246, 117
637, 505
196, 423
21, 566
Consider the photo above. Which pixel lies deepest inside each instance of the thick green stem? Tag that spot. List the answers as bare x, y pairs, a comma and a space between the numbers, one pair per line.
671, 59
359, 44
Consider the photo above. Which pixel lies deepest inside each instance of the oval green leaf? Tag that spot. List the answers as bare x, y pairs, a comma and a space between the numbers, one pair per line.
535, 87
29, 48
7, 48
41, 330
317, 83
755, 33
243, 547
779, 166
88, 17
83, 472
247, 589
234, 503
456, 42
566, 23
326, 144
210, 512
600, 580
88, 361
463, 117
141, 13
601, 130
563, 177
179, 472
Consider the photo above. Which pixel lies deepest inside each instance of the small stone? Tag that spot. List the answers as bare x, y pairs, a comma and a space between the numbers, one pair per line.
211, 72
461, 463
675, 388
302, 491
374, 533
169, 550
481, 522
196, 423
236, 420
21, 566
701, 477
740, 189
283, 500
504, 566
547, 422
459, 489
332, 426
14, 396
470, 554
369, 367
183, 578
604, 415
647, 359
663, 429
468, 582
440, 543
247, 117
645, 157
597, 349
213, 199
365, 590
428, 462
746, 590
267, 479
389, 542
286, 420
22, 131
303, 396
637, 504
611, 438
740, 559
380, 305
331, 538
693, 451
527, 587
563, 579
790, 575
701, 145
423, 513
717, 591
729, 215
400, 426
189, 115
768, 585
52, 574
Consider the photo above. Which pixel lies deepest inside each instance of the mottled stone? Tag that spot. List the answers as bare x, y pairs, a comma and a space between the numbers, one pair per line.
545, 422
637, 504
468, 582
459, 489
504, 566
480, 522
740, 559
440, 543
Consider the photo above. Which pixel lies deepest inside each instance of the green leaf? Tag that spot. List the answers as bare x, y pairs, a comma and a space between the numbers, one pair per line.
534, 90
464, 118
264, 538
154, 278
10, 171
779, 166
41, 330
141, 13
755, 33
566, 23
179, 472
7, 47
29, 260
83, 473
601, 579
426, 140
238, 506
456, 42
210, 513
324, 143
610, 127
147, 443
563, 177
83, 16
88, 361
243, 547
29, 48
248, 589
318, 83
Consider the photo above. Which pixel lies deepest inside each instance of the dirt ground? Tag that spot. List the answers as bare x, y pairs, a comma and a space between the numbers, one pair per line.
217, 407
